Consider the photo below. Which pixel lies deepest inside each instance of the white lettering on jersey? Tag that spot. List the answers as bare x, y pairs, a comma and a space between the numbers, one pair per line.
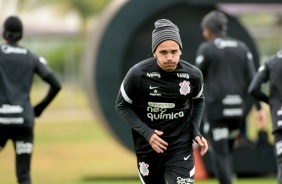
232, 112
232, 100
156, 93
155, 113
183, 75
221, 44
22, 147
181, 180
279, 112
10, 109
220, 133
154, 74
8, 49
278, 147
161, 105
19, 120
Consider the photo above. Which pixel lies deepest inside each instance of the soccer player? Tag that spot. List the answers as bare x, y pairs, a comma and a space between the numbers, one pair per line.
17, 68
227, 67
161, 99
271, 72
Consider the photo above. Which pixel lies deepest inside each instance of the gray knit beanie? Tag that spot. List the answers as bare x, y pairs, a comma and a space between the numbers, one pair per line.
215, 22
165, 30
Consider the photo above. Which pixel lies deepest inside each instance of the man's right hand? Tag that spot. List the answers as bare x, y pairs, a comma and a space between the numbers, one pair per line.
157, 143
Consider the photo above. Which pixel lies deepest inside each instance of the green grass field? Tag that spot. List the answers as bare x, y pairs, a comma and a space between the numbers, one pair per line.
73, 147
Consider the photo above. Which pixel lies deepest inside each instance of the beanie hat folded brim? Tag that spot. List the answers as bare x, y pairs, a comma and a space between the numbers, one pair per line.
165, 30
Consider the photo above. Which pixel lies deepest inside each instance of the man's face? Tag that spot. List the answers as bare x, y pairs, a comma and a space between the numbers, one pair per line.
168, 55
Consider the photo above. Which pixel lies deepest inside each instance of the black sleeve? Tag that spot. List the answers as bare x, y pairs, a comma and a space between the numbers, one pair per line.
125, 101
251, 71
202, 61
261, 77
41, 66
198, 104
55, 87
197, 114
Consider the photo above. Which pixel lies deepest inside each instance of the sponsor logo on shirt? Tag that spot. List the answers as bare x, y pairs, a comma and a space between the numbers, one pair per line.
221, 44
10, 109
155, 113
161, 105
19, 120
232, 112
232, 100
184, 87
181, 180
183, 75
143, 168
8, 49
154, 74
155, 93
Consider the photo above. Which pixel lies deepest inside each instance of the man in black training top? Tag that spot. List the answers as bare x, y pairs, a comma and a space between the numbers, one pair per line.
271, 72
17, 68
161, 99
228, 68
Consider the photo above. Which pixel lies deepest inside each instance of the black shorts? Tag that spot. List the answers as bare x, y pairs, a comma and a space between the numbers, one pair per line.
173, 167
222, 134
22, 138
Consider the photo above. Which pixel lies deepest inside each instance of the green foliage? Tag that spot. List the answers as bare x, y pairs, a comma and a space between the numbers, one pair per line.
63, 53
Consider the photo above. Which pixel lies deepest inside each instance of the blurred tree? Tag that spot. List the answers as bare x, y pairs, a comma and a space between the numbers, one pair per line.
84, 8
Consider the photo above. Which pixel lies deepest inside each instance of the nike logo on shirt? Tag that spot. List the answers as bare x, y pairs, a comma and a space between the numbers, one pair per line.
153, 87
186, 158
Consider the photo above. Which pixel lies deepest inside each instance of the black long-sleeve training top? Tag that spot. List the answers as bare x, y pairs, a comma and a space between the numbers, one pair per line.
17, 68
228, 69
153, 99
270, 71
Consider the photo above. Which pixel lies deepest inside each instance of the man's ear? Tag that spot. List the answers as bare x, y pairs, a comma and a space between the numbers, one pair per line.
154, 55
180, 52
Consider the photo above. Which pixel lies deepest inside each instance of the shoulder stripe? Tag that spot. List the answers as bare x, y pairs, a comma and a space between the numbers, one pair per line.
200, 93
124, 94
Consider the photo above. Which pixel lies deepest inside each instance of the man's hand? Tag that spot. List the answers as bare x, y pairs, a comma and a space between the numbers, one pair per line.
157, 143
261, 119
202, 142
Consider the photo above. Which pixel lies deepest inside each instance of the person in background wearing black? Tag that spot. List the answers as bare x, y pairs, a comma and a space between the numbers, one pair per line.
271, 72
161, 99
17, 68
228, 68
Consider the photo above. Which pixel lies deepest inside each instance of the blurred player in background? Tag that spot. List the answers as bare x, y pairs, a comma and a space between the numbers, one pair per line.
161, 99
17, 68
271, 72
228, 68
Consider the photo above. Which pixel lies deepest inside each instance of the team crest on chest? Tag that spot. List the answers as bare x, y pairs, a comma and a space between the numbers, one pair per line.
184, 87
